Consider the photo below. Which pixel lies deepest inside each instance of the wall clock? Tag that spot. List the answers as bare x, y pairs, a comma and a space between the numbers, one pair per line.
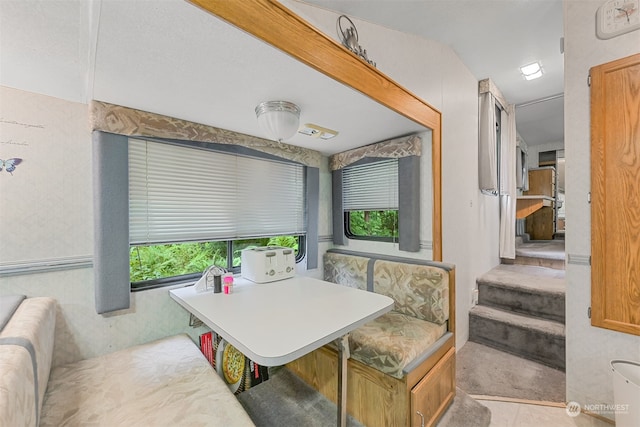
616, 17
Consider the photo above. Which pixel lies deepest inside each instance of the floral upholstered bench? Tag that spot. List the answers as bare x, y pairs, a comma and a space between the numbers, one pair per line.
405, 357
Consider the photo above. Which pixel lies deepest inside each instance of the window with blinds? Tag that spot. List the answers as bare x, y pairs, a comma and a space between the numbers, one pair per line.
185, 194
370, 200
190, 208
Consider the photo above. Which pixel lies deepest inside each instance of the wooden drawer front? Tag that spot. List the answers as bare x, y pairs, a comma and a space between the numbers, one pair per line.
432, 395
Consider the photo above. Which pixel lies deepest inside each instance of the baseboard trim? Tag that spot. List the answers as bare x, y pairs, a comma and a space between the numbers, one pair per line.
539, 403
517, 400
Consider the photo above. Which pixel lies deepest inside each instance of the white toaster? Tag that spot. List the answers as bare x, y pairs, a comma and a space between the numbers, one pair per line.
268, 263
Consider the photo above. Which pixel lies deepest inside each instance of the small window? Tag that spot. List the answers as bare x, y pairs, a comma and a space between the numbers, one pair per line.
370, 200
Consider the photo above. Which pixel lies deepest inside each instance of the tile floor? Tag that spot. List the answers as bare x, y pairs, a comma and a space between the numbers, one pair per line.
511, 414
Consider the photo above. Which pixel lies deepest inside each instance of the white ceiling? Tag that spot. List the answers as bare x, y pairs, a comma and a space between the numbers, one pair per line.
493, 38
170, 57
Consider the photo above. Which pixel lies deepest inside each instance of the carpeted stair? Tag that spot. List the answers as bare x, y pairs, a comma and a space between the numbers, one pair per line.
542, 253
521, 311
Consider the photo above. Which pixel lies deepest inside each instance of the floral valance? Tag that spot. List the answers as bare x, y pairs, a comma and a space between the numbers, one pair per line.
131, 122
393, 148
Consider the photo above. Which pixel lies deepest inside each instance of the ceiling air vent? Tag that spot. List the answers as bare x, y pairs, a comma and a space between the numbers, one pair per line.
316, 131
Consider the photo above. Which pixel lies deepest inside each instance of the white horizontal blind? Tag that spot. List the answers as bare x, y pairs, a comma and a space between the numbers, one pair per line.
372, 186
181, 194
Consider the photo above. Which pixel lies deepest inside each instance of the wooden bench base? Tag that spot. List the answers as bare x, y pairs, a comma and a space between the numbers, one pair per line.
380, 400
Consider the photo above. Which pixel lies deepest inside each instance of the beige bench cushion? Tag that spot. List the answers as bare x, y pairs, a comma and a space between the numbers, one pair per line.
392, 341
32, 327
17, 395
421, 291
163, 383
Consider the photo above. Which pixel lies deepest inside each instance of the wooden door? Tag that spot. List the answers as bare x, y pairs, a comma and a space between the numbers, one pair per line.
615, 195
432, 395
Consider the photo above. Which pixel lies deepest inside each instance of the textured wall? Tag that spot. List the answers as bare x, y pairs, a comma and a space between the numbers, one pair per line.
46, 201
46, 216
589, 349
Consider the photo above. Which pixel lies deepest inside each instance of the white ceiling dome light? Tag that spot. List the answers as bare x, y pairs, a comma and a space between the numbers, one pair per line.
278, 119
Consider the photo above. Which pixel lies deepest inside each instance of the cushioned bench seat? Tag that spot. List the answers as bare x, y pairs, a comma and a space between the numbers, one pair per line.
166, 382
404, 359
392, 341
162, 383
419, 318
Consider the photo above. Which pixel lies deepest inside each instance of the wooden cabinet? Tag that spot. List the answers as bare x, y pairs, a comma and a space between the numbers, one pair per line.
380, 400
615, 190
541, 223
542, 182
433, 393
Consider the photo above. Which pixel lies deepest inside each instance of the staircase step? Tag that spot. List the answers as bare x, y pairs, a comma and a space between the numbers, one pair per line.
535, 291
535, 339
557, 264
542, 253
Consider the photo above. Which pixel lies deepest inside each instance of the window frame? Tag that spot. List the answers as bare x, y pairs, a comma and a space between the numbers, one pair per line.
409, 199
224, 150
367, 163
111, 256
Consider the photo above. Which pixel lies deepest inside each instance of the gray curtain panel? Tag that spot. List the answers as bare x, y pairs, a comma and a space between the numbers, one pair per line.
111, 222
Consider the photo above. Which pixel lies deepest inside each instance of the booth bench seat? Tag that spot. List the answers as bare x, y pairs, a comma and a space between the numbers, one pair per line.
402, 366
392, 341
162, 383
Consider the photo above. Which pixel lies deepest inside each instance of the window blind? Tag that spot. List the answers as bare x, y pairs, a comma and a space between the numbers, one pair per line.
371, 186
180, 194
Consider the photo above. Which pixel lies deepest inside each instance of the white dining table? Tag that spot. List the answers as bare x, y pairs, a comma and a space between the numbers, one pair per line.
278, 322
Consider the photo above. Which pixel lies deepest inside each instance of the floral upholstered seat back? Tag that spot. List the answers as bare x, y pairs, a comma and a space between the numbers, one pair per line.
346, 270
420, 291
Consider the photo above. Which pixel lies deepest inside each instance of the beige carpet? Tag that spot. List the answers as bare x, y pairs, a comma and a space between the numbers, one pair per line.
465, 411
482, 370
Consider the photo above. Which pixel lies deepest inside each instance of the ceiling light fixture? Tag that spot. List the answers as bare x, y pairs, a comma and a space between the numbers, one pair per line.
278, 119
531, 71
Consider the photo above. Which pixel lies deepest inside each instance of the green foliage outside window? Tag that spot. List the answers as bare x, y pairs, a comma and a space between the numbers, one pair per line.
159, 261
372, 224
176, 259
